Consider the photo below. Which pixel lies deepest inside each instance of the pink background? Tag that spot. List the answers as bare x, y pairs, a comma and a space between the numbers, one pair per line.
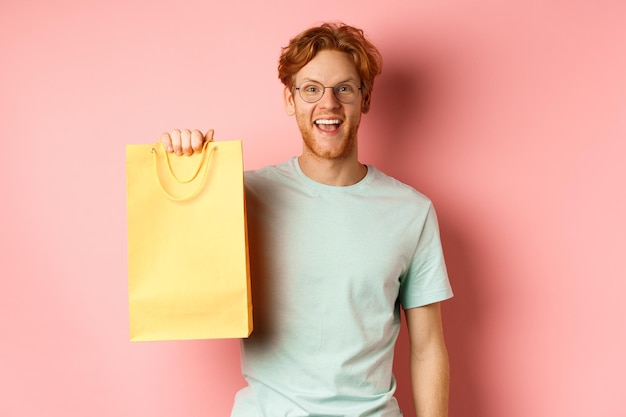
510, 115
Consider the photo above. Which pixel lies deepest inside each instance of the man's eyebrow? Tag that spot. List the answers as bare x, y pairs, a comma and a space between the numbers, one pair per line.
352, 79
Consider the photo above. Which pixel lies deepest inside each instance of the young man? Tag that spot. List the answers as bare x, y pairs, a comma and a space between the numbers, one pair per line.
336, 249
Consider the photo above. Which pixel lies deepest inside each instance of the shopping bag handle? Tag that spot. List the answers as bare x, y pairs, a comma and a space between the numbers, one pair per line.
205, 156
195, 174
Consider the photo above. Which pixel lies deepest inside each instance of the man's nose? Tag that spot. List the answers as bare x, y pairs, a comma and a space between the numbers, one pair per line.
328, 99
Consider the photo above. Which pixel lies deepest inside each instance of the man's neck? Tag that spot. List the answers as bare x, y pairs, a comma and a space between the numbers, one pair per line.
338, 173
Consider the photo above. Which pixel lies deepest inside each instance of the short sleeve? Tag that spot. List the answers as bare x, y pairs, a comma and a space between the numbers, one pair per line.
426, 279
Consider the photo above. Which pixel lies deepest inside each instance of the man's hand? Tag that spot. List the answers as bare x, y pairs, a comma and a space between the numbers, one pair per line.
185, 142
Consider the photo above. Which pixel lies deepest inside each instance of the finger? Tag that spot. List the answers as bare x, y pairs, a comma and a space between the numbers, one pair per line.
166, 140
185, 137
177, 147
209, 134
197, 140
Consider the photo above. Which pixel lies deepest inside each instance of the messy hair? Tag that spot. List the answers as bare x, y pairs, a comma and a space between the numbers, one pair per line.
332, 36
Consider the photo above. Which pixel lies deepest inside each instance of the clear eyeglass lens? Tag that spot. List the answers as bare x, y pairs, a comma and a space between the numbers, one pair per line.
312, 91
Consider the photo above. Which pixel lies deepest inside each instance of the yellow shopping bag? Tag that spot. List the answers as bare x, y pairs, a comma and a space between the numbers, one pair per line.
188, 269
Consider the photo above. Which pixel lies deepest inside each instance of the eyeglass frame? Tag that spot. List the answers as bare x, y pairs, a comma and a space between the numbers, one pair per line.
359, 89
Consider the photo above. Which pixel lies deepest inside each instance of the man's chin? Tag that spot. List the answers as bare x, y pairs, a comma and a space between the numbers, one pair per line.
336, 146
330, 153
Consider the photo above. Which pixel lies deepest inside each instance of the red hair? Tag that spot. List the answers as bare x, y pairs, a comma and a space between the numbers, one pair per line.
333, 36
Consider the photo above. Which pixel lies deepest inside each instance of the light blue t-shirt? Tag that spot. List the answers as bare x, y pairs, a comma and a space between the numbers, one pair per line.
330, 269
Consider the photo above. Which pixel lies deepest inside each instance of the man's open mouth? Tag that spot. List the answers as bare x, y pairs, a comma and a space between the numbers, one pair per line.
327, 124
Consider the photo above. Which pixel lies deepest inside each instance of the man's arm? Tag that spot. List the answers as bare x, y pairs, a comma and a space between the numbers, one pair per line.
430, 368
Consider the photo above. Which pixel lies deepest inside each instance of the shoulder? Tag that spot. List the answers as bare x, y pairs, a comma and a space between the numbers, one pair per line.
284, 169
270, 178
389, 187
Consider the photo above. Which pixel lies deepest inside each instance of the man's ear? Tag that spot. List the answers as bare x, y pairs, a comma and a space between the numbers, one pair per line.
290, 106
365, 106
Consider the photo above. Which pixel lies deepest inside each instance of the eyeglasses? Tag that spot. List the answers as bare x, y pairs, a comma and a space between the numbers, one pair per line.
312, 91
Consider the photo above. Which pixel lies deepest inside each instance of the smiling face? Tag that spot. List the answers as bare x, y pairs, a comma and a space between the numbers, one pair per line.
328, 127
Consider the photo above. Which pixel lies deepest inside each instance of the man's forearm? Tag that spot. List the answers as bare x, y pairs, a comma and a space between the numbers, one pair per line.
430, 376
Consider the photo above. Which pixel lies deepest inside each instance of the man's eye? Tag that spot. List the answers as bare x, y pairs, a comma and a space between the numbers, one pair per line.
311, 89
345, 88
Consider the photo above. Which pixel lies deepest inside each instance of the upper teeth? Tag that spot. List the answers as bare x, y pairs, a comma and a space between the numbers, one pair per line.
327, 122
